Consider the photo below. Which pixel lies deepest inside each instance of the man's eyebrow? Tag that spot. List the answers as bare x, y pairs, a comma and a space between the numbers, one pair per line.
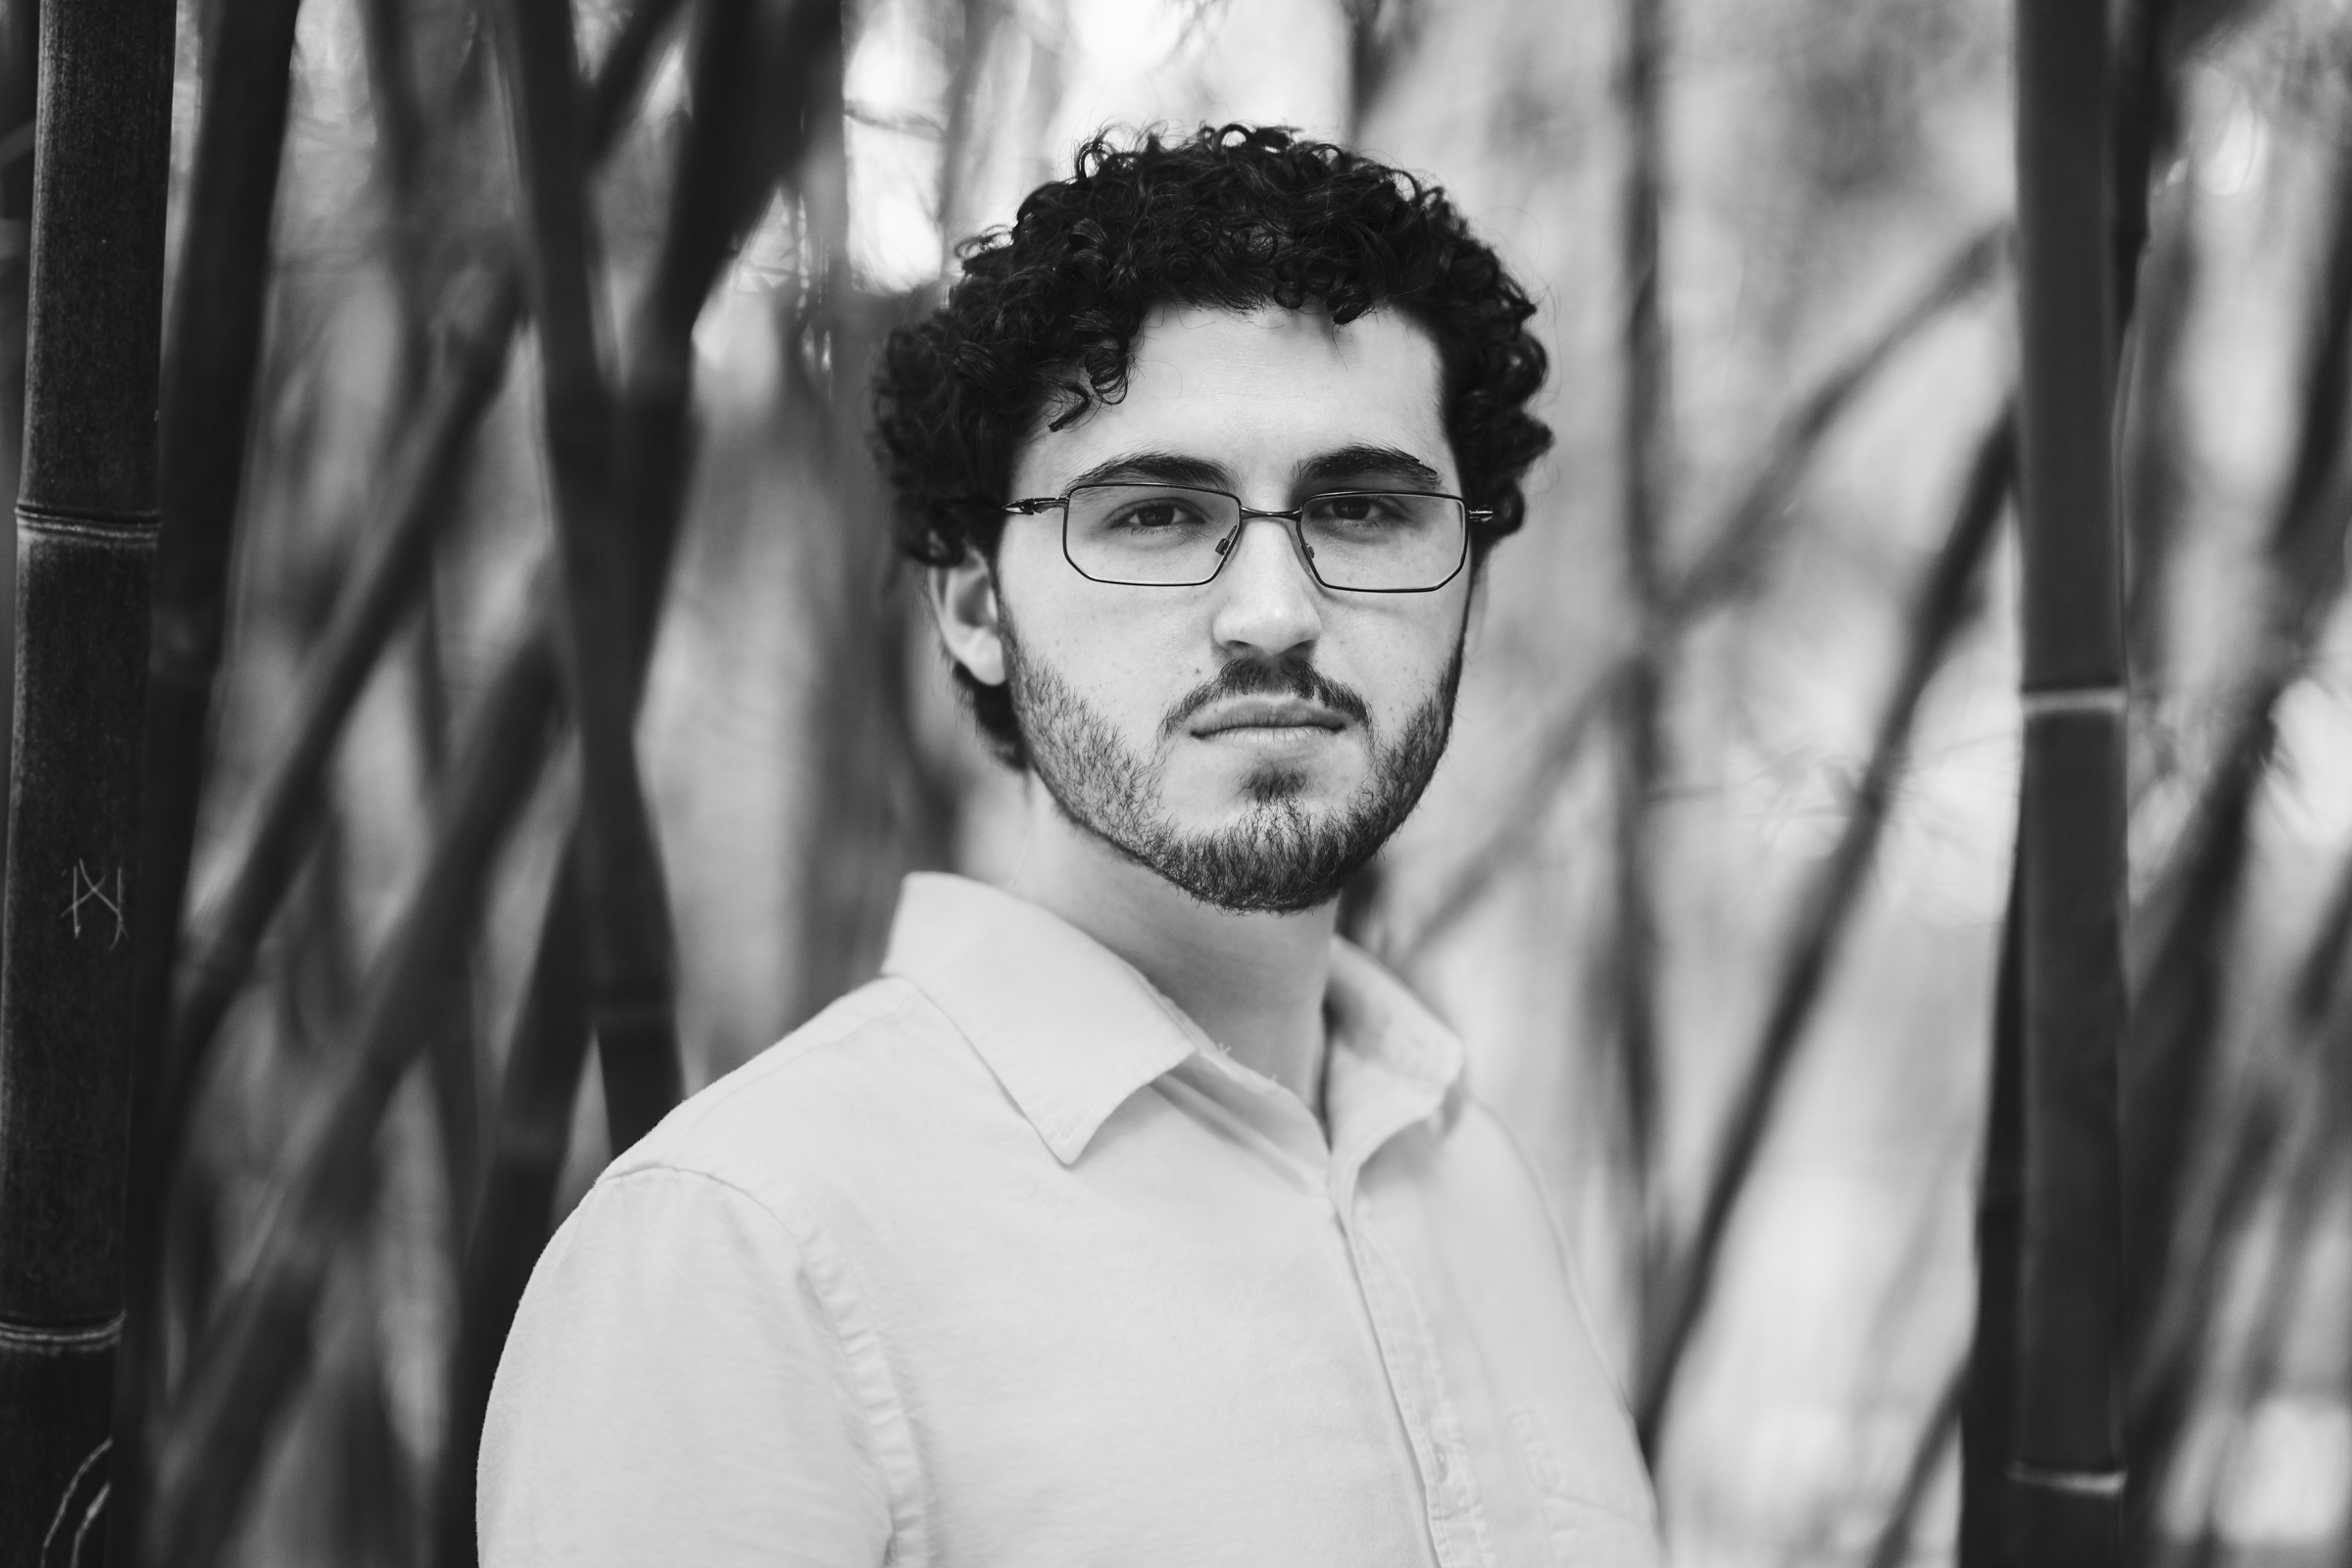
1358, 463
1157, 467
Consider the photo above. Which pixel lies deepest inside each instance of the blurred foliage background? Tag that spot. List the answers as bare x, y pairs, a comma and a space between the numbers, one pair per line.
1713, 880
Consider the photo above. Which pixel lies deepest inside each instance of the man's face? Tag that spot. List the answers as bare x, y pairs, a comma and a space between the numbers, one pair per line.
1255, 738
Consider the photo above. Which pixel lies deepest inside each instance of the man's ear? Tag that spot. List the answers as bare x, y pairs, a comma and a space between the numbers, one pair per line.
963, 601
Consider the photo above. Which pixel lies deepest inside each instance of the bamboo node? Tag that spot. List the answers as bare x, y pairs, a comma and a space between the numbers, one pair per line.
2074, 1482
2072, 700
97, 525
60, 1338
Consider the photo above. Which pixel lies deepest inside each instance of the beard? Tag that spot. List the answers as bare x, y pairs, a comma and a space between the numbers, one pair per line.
1284, 856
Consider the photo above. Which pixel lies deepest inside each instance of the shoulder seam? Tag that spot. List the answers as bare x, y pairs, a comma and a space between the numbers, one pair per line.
825, 1269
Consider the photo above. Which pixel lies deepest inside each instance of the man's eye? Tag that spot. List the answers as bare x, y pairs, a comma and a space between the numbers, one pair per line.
1150, 516
1362, 510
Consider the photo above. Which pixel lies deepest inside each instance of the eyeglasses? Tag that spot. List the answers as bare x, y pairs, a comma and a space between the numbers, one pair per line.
1173, 536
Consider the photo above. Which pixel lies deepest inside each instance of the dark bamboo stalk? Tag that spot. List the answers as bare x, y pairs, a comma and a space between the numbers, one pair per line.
755, 78
211, 363
1941, 607
252, 1364
626, 895
544, 1060
416, 503
1988, 1407
1733, 562
1645, 458
20, 73
2065, 1473
418, 498
457, 1068
86, 512
256, 1353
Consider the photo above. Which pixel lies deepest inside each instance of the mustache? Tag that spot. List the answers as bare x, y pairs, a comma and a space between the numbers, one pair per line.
1258, 678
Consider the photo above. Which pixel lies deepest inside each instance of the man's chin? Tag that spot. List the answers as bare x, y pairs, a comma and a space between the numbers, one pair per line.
1243, 800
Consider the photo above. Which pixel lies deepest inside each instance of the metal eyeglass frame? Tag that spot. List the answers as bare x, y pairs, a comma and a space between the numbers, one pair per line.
1295, 516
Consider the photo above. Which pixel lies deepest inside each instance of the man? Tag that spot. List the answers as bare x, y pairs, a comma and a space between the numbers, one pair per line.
1130, 1219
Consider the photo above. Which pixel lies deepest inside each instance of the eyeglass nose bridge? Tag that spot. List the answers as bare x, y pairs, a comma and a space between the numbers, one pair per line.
1295, 516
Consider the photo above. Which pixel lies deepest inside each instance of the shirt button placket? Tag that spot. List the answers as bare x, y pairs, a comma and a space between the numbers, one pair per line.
1411, 1371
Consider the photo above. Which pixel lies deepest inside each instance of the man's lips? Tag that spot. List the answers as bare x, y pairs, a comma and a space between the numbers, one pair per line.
1264, 714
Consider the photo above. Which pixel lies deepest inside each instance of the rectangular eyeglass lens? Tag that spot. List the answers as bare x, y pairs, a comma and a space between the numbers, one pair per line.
1384, 539
1152, 533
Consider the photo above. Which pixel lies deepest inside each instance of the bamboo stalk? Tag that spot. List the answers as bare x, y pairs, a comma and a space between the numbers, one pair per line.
2155, 440
19, 72
260, 1341
416, 503
1645, 458
544, 1061
419, 498
2066, 1474
86, 520
1988, 1410
249, 1367
1941, 608
1731, 563
2181, 939
210, 363
624, 892
752, 94
1891, 1547
457, 1070
2267, 1125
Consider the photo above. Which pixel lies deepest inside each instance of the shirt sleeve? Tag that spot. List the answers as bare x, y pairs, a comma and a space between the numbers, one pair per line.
673, 1392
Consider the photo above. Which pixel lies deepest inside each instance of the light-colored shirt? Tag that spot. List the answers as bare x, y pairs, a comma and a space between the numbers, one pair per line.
1001, 1262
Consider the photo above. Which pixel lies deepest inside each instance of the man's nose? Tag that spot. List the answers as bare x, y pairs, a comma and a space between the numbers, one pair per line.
1268, 601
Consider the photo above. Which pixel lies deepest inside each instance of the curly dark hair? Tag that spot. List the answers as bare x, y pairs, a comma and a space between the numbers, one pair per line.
1041, 325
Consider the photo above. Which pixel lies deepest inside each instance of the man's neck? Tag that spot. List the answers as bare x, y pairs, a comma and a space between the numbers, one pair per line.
1253, 982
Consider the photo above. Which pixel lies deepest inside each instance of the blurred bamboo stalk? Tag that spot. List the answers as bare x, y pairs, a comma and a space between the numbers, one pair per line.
416, 504
1733, 561
624, 893
760, 71
211, 361
1987, 1406
879, 806
1645, 458
86, 510
2178, 939
1380, 35
2179, 957
262, 1340
2286, 1120
1940, 608
2066, 1471
259, 1341
2153, 471
1891, 1547
458, 1071
533, 1134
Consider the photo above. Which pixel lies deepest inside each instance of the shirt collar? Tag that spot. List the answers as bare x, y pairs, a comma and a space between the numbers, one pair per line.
1071, 1030
1392, 1064
1068, 1027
